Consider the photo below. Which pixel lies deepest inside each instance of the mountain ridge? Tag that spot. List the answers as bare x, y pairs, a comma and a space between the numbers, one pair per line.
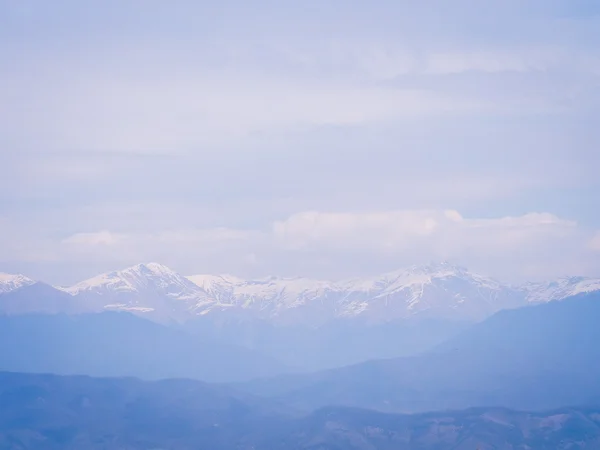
537, 357
10, 282
437, 290
122, 344
85, 413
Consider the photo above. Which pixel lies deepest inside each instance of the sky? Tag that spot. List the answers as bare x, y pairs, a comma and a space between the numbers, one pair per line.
324, 139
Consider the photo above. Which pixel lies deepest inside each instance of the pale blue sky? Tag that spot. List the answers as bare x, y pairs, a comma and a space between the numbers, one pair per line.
324, 139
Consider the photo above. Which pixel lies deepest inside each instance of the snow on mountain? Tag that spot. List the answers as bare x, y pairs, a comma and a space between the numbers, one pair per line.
144, 288
22, 295
437, 290
559, 289
139, 278
219, 287
416, 277
266, 298
9, 282
440, 291
290, 292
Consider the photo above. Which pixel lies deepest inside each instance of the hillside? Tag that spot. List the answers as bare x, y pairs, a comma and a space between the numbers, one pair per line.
121, 344
537, 357
47, 412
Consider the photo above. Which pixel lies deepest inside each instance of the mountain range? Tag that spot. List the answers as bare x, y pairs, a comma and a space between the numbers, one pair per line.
47, 412
435, 291
122, 344
306, 325
533, 358
541, 358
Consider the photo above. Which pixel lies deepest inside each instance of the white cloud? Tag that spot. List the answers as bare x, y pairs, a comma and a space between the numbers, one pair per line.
321, 244
437, 233
172, 246
170, 238
530, 246
374, 231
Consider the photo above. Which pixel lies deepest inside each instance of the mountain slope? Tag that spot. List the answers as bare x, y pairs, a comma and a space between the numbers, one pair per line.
535, 357
559, 289
10, 282
150, 289
284, 300
483, 428
435, 291
121, 344
334, 344
41, 298
47, 412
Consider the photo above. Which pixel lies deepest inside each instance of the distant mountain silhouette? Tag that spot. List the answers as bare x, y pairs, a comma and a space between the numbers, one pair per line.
40, 298
121, 344
48, 412
334, 344
537, 357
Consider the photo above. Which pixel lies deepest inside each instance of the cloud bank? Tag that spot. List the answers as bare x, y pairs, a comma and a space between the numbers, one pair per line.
338, 245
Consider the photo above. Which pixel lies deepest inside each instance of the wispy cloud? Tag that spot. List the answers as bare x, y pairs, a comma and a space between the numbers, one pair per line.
169, 128
312, 243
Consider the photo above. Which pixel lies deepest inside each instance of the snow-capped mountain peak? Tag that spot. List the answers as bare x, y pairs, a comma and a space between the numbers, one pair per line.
269, 296
152, 268
134, 279
11, 282
209, 282
559, 289
437, 289
415, 276
143, 288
